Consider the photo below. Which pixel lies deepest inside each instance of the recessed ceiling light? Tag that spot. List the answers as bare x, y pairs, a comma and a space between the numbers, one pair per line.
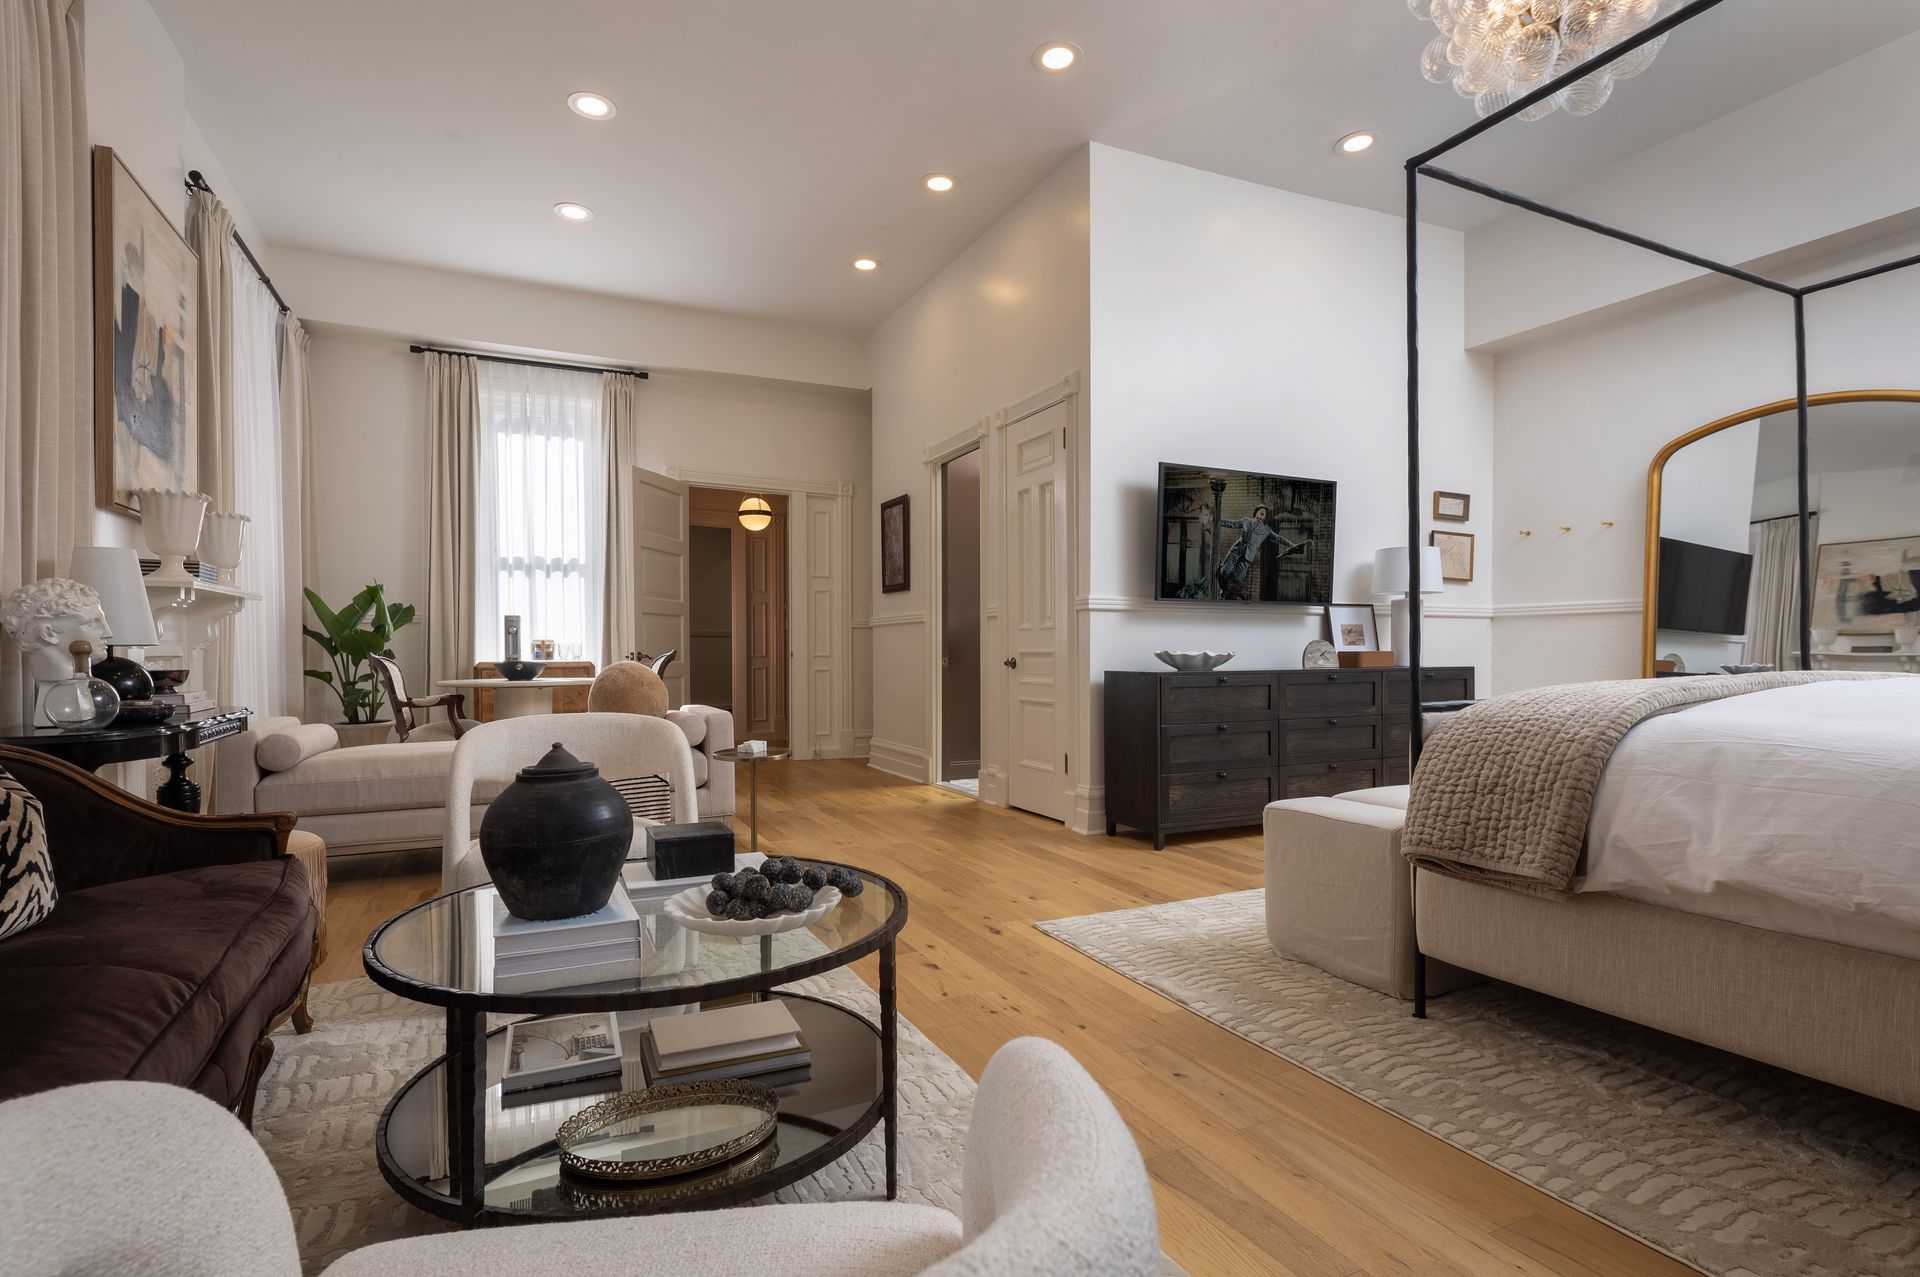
592, 105
939, 183
866, 263
1060, 55
574, 212
1355, 143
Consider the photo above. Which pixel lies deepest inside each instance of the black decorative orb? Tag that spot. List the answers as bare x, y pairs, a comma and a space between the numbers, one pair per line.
555, 839
127, 677
520, 671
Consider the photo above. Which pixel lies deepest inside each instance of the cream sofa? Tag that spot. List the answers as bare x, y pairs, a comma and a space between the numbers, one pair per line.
1052, 1186
393, 797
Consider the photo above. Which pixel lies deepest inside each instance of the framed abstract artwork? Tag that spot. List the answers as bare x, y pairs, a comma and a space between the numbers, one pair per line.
1452, 507
146, 284
1350, 627
1868, 587
896, 564
1456, 554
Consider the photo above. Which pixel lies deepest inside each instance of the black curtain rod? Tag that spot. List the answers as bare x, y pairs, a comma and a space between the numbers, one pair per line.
195, 182
1601, 228
641, 373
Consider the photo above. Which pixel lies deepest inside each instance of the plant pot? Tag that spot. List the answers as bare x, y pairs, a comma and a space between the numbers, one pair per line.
555, 839
352, 734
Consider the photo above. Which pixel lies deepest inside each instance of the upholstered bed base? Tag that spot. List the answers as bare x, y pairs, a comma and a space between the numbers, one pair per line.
1842, 1015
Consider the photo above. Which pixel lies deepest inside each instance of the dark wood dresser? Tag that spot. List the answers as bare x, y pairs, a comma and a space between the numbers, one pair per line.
1209, 751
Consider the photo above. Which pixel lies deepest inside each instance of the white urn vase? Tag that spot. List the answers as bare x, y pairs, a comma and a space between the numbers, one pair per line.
171, 521
222, 540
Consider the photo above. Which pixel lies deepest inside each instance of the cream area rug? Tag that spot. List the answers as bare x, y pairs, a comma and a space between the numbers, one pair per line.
1736, 1168
322, 1095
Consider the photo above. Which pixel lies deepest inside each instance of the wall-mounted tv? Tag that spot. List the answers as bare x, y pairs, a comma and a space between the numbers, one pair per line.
1703, 589
1238, 536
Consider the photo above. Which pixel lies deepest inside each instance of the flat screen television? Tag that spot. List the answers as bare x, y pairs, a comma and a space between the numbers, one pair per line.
1239, 536
1703, 589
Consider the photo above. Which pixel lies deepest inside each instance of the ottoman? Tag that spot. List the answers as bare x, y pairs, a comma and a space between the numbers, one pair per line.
1340, 895
311, 851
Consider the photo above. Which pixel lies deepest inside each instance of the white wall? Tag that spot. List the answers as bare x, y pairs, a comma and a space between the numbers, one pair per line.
137, 104
1003, 321
1578, 417
371, 460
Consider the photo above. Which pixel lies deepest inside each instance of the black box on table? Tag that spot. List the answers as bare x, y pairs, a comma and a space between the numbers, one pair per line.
689, 851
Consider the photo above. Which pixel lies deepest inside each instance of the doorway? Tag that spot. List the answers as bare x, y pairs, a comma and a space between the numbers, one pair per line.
737, 612
960, 623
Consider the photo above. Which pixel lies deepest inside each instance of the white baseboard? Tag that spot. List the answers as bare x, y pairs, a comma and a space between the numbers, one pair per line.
1089, 810
896, 759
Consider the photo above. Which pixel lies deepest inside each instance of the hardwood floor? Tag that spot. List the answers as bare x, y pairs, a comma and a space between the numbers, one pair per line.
1258, 1166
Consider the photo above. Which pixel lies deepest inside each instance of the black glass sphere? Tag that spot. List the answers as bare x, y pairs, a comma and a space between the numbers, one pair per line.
127, 677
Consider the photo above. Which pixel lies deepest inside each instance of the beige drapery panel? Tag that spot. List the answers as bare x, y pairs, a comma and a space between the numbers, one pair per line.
46, 348
209, 232
619, 418
297, 542
453, 424
1773, 629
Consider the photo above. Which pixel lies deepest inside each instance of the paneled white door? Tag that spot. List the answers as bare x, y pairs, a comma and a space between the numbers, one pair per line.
1035, 454
660, 541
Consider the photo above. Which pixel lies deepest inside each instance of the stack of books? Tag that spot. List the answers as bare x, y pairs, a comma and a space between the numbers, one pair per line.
195, 700
591, 949
759, 1040
205, 573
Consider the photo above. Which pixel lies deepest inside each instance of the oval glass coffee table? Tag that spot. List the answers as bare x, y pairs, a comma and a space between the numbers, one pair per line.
451, 1144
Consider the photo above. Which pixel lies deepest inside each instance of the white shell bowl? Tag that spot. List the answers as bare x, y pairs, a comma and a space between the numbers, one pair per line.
1195, 662
689, 909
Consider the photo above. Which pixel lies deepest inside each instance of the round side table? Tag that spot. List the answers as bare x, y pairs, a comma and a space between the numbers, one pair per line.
753, 783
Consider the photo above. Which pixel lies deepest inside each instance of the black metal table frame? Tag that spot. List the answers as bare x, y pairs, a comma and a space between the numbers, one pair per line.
465, 1060
1422, 165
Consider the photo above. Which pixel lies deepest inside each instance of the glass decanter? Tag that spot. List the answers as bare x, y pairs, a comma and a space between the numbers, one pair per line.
83, 702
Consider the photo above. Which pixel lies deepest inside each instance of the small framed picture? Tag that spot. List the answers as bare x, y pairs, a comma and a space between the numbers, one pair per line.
895, 565
1452, 507
1350, 627
1456, 554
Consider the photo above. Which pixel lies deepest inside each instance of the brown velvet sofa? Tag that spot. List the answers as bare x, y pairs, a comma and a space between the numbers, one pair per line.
179, 942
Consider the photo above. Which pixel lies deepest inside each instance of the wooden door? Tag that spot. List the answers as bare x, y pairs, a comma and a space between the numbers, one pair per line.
660, 570
1035, 577
765, 663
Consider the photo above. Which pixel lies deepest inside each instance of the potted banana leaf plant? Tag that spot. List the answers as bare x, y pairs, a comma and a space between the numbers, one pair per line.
363, 628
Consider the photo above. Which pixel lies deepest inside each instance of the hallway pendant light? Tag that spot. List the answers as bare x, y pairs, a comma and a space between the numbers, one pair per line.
755, 514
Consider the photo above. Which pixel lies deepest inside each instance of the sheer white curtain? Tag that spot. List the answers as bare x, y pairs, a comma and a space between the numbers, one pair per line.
540, 522
1773, 598
259, 631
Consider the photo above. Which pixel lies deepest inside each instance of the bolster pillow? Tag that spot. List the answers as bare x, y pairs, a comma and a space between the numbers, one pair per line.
293, 746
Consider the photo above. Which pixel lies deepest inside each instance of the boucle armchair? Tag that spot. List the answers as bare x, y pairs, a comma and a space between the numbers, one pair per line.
1053, 1186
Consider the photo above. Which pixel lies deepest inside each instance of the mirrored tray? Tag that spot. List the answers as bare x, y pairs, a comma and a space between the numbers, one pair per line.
668, 1130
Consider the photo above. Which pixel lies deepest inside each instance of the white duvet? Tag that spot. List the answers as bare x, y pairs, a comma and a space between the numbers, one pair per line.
1796, 809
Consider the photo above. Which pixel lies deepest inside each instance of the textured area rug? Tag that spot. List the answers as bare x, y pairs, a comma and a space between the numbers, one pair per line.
322, 1095
1736, 1168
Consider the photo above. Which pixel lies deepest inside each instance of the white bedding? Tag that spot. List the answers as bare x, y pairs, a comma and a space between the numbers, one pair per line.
1796, 809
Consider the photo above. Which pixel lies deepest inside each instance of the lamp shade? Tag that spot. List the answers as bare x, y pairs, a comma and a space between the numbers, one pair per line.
755, 514
1390, 570
114, 573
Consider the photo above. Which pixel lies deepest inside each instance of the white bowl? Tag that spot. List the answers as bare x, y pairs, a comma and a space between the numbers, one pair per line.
689, 909
1195, 662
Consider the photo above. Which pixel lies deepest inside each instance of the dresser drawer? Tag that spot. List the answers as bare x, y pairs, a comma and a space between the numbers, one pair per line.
1333, 738
1443, 683
1217, 795
1398, 771
1399, 737
1210, 698
1331, 693
1323, 780
1213, 746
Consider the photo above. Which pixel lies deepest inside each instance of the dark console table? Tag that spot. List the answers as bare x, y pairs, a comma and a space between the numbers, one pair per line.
1210, 751
168, 741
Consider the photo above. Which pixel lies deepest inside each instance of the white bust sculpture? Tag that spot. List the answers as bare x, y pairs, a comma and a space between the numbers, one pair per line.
44, 617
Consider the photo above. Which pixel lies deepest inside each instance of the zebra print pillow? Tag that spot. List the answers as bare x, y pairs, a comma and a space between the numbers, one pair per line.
27, 893
648, 797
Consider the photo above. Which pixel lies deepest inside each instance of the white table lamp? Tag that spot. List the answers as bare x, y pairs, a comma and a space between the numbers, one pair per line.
1390, 576
114, 573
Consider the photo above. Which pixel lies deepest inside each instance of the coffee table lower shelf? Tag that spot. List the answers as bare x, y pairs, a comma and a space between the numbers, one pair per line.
520, 1178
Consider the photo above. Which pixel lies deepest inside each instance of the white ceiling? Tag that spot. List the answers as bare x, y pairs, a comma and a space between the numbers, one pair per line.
762, 144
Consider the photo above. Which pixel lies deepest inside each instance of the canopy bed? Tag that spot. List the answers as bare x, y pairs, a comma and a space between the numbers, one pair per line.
1728, 858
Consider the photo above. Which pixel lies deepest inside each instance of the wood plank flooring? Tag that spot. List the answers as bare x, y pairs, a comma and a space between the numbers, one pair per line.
1258, 1166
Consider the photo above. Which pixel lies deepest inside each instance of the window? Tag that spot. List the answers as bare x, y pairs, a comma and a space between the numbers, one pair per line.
540, 526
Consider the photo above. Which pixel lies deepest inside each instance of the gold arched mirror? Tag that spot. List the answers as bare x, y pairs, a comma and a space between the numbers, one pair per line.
1724, 573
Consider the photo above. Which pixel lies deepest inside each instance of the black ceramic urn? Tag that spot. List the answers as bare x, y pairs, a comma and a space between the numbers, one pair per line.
555, 839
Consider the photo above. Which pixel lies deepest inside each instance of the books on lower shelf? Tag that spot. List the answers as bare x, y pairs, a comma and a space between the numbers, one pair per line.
750, 1039
564, 1049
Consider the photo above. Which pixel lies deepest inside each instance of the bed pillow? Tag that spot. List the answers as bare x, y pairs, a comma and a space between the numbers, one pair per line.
284, 750
27, 892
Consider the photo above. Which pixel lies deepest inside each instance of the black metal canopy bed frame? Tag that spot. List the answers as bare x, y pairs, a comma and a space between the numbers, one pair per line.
1589, 932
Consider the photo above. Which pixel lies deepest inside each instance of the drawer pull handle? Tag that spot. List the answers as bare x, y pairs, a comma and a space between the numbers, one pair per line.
1333, 722
1219, 775
1333, 678
1220, 681
1333, 767
1219, 727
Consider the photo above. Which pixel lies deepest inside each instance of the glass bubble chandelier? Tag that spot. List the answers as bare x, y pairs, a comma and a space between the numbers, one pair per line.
1496, 51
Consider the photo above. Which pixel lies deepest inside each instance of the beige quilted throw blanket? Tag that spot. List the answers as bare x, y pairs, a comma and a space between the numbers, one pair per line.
1504, 793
